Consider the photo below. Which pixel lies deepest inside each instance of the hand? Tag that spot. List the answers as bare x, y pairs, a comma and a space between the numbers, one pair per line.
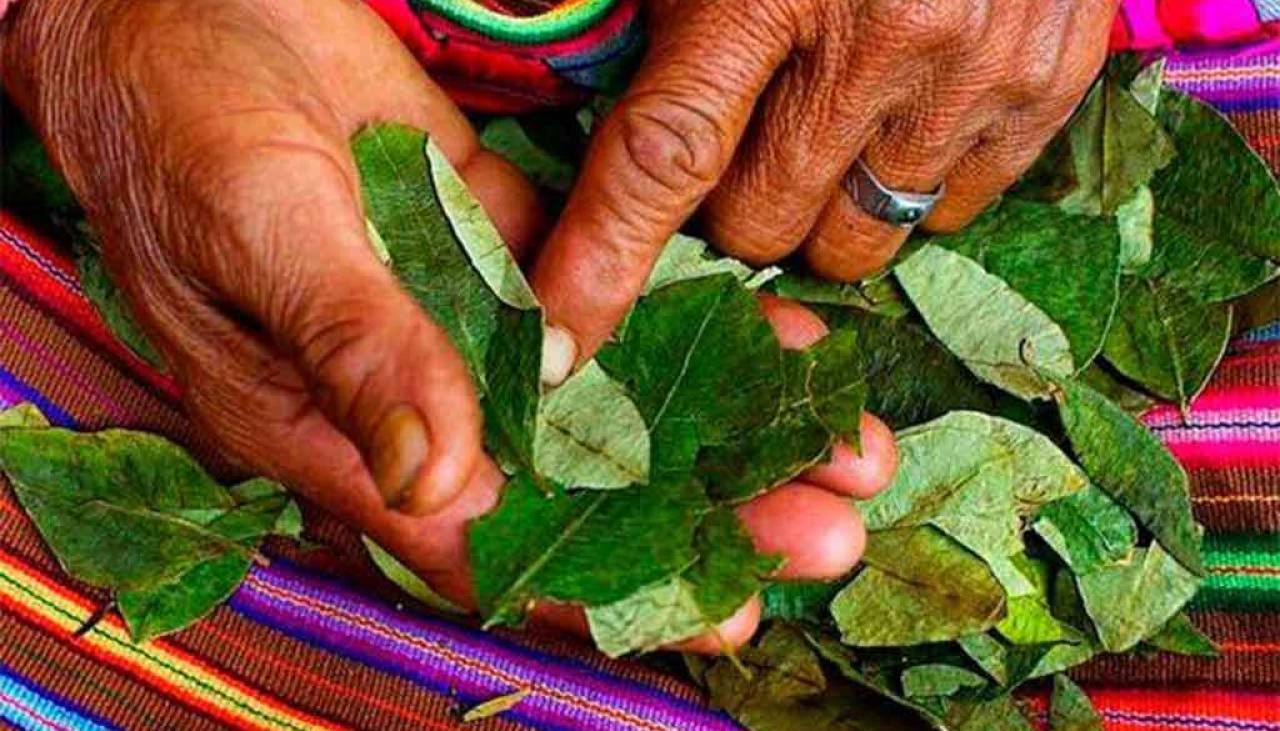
758, 110
208, 140
809, 522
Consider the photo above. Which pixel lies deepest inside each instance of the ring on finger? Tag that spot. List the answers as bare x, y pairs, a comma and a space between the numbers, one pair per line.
903, 209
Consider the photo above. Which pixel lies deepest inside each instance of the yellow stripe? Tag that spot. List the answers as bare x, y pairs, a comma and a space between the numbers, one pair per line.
35, 594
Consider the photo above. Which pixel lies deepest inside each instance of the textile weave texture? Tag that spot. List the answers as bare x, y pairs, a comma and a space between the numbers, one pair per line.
316, 641
517, 55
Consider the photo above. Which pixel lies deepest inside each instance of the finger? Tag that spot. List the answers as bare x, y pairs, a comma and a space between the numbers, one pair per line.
983, 174
657, 155
807, 132
729, 635
818, 533
861, 473
295, 261
912, 152
796, 326
258, 410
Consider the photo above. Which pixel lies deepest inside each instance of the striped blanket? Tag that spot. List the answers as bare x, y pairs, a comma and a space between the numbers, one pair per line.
316, 640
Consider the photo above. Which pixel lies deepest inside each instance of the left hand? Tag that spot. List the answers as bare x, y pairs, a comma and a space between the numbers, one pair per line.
758, 111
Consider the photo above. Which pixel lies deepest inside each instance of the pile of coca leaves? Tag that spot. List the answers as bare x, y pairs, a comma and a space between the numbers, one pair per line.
1034, 522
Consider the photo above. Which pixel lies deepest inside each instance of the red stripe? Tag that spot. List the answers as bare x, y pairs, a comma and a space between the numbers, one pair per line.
139, 670
269, 659
69, 305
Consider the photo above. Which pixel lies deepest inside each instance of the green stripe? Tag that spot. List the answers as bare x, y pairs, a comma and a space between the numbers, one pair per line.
1242, 548
1234, 582
545, 28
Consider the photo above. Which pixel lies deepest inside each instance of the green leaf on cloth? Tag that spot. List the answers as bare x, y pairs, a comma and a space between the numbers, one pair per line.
1128, 462
408, 581
1070, 709
1166, 339
1180, 636
1203, 242
262, 508
1132, 601
119, 509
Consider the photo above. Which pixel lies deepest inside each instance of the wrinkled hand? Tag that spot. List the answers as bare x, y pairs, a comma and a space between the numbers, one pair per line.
757, 111
209, 142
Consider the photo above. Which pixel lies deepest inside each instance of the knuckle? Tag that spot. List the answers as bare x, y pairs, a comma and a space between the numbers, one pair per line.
334, 343
931, 23
674, 145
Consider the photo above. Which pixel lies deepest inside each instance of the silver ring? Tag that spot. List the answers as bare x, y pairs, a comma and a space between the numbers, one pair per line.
894, 207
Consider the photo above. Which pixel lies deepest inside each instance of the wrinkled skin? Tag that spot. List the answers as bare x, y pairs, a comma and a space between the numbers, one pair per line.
756, 111
208, 140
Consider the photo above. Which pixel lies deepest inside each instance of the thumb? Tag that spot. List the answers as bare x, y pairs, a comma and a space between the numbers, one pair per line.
657, 155
376, 366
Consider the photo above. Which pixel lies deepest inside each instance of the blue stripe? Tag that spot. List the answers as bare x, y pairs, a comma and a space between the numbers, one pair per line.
1267, 334
33, 709
55, 415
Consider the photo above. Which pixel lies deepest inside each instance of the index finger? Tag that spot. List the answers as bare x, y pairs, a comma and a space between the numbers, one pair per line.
657, 155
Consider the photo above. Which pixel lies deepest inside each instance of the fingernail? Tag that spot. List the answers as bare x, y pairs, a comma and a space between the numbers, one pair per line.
399, 451
559, 353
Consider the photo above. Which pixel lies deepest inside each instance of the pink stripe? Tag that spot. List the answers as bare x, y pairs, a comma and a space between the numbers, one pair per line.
61, 369
1214, 401
1240, 453
24, 708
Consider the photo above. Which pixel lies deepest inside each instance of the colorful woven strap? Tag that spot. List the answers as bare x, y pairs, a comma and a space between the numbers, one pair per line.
566, 19
494, 61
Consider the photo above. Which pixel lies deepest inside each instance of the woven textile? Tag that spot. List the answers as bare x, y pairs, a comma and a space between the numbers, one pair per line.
317, 641
516, 55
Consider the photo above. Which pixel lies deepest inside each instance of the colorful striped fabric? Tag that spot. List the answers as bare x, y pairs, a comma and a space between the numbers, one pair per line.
517, 55
317, 641
491, 59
